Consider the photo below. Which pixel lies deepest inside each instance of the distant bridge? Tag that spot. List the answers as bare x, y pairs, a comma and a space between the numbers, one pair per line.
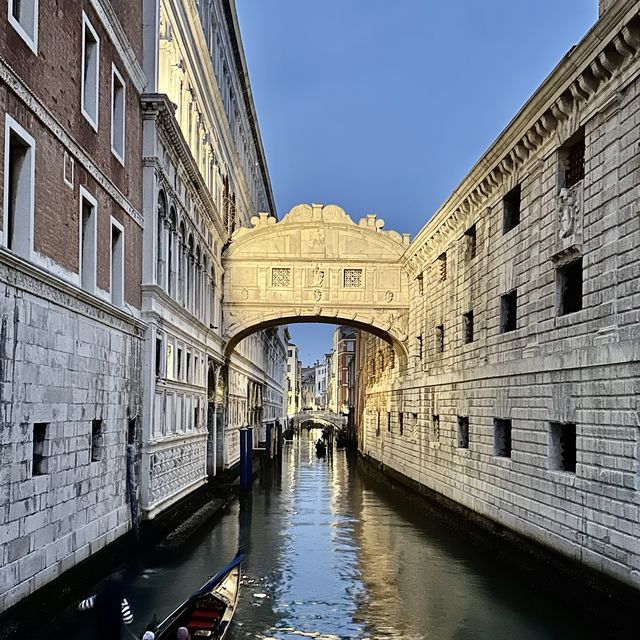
328, 417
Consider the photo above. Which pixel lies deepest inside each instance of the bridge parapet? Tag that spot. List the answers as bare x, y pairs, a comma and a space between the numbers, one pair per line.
316, 265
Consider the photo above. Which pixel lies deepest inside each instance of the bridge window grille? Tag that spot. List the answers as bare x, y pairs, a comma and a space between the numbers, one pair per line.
280, 277
509, 311
389, 421
562, 447
352, 278
463, 432
502, 438
467, 327
435, 427
511, 209
442, 266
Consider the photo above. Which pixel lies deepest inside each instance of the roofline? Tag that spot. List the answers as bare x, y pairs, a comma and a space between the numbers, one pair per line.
231, 16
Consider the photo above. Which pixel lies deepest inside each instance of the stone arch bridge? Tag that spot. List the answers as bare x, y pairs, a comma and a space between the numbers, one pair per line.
316, 265
328, 417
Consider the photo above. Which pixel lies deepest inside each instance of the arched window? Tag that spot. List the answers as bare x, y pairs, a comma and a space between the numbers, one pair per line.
190, 273
182, 265
161, 215
197, 285
171, 253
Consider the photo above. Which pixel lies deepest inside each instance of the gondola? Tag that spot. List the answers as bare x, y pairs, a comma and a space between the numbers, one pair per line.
321, 449
208, 612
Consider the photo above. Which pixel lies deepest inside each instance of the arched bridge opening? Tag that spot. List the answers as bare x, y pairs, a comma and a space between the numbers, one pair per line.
316, 265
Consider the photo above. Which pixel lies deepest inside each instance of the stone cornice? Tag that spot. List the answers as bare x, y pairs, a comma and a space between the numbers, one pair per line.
157, 106
50, 287
608, 47
119, 39
48, 120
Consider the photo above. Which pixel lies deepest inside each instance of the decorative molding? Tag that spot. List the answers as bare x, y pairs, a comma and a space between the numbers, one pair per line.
15, 84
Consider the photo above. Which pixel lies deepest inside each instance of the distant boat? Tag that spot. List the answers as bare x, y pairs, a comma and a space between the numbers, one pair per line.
208, 612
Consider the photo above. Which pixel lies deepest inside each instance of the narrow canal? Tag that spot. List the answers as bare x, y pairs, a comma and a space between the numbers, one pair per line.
332, 555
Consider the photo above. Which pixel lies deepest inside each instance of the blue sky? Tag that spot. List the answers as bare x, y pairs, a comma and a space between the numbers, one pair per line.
383, 106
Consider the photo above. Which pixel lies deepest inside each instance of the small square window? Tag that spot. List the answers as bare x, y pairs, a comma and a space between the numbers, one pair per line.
509, 312
39, 466
440, 338
502, 437
97, 441
511, 209
467, 327
569, 287
352, 278
562, 447
470, 240
463, 432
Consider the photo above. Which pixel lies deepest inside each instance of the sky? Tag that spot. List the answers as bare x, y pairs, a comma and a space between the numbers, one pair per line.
383, 106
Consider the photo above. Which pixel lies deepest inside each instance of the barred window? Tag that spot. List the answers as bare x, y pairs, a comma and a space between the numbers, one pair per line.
280, 277
352, 278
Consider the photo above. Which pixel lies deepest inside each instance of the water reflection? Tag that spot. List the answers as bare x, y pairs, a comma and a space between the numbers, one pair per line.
332, 555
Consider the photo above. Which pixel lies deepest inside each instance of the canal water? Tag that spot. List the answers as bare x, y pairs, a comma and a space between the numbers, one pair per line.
331, 554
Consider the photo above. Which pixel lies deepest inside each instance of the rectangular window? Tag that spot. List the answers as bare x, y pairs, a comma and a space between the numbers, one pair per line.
117, 114
90, 72
117, 263
19, 188
420, 280
509, 311
420, 348
511, 209
562, 447
88, 241
170, 365
401, 422
502, 437
467, 327
435, 427
569, 287
352, 278
39, 465
280, 277
158, 356
388, 420
463, 432
131, 430
179, 375
440, 338
470, 243
378, 424
23, 17
188, 370
97, 440
442, 267
571, 161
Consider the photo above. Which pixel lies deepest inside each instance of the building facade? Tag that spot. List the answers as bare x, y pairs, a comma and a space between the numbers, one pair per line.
294, 381
71, 335
204, 176
343, 372
131, 153
520, 397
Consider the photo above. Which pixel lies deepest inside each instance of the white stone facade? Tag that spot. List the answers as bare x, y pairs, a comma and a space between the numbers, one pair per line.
520, 400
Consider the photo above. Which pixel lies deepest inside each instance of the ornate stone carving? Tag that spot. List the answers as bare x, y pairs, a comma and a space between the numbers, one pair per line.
569, 208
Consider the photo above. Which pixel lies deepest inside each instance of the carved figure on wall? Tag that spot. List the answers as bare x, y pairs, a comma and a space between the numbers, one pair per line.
317, 295
568, 207
317, 240
318, 277
388, 296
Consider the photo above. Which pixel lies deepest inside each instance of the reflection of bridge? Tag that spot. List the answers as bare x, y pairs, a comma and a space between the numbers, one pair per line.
327, 417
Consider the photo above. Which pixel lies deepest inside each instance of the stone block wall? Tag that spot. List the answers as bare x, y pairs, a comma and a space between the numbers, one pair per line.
556, 370
63, 366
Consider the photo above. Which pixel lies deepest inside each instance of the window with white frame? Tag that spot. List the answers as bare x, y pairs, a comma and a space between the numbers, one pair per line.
117, 263
19, 188
90, 72
23, 17
117, 114
88, 240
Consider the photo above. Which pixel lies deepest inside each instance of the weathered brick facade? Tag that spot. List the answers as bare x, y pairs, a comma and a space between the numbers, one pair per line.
490, 402
70, 359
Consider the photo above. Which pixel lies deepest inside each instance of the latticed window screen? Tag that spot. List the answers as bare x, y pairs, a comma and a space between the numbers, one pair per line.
574, 170
280, 277
352, 278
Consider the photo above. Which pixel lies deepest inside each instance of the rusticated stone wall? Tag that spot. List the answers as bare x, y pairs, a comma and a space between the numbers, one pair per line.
566, 355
